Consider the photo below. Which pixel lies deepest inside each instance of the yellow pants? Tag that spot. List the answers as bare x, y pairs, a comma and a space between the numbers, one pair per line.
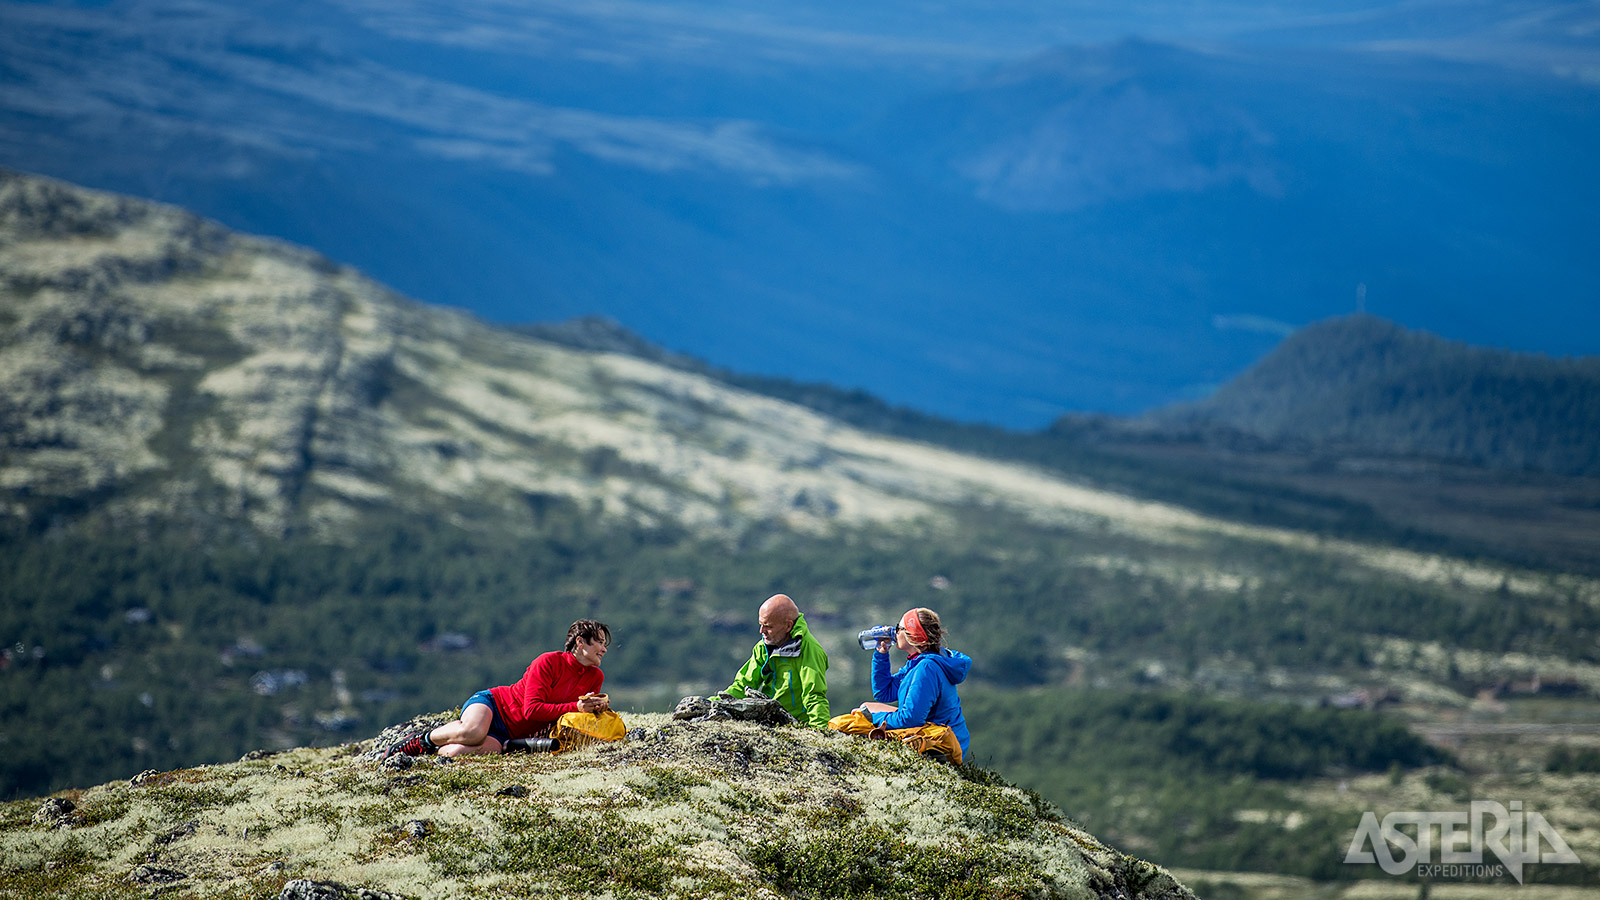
923, 739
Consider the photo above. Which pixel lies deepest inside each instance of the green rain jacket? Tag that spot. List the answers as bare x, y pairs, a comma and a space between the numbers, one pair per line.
795, 674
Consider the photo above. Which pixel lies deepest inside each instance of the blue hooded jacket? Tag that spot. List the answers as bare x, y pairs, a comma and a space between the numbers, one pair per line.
924, 690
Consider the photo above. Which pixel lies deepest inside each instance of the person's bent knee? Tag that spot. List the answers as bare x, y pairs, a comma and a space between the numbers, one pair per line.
472, 733
473, 725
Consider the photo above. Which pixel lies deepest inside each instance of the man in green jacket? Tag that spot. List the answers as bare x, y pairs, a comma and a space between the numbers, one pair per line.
787, 664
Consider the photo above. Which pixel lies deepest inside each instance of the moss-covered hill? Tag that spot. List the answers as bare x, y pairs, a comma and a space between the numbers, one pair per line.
713, 809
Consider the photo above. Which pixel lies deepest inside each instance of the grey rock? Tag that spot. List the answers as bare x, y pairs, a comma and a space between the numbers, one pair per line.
692, 707
157, 875
306, 889
650, 735
182, 831
399, 762
754, 707
54, 811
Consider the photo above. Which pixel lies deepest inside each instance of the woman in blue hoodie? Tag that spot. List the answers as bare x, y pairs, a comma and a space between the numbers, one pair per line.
924, 690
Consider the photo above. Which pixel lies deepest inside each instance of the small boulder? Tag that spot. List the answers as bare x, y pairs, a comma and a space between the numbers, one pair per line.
753, 707
157, 875
306, 889
692, 707
182, 831
399, 762
55, 811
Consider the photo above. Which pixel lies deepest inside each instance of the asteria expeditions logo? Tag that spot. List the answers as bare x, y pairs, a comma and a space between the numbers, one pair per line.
1516, 838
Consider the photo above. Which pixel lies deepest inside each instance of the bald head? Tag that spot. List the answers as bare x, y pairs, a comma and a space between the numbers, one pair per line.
777, 617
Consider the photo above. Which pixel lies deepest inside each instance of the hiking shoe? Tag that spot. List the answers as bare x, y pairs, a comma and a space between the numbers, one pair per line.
414, 744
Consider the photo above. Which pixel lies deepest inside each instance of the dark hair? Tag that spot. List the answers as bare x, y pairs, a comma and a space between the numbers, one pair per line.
589, 630
929, 620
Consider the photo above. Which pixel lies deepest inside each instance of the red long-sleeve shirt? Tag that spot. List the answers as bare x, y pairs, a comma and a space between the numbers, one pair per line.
551, 687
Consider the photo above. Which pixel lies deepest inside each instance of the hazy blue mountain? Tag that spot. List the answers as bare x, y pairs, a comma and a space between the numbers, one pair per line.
1363, 384
995, 213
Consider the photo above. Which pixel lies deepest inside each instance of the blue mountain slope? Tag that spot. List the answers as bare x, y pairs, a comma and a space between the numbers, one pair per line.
926, 207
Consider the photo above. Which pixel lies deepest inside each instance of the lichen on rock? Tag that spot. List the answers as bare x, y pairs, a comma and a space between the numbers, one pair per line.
689, 809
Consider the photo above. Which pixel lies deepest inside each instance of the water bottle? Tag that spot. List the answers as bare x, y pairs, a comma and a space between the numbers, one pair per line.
870, 637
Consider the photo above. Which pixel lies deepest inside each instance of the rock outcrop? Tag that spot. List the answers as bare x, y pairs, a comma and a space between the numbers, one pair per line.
715, 808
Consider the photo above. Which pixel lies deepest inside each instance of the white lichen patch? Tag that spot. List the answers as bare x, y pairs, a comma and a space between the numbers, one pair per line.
1435, 659
1194, 577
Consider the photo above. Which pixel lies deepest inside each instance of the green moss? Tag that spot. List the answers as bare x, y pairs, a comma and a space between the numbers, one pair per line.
58, 883
1135, 873
870, 861
17, 814
69, 872
459, 779
254, 888
666, 785
582, 855
453, 851
106, 806
996, 811
835, 811
719, 886
182, 801
370, 814
323, 813
351, 781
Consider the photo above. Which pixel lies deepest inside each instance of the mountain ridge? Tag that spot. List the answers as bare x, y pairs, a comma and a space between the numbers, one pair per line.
1362, 384
163, 365
1360, 489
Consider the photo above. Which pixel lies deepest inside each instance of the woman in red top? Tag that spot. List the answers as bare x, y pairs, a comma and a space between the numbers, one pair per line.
555, 684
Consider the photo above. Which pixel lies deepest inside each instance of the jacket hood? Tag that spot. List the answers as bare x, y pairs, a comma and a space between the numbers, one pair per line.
955, 664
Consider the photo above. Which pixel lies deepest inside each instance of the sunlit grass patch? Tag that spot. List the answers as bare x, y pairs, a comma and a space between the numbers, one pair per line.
581, 854
17, 814
1001, 810
667, 785
185, 800
833, 810
103, 805
872, 860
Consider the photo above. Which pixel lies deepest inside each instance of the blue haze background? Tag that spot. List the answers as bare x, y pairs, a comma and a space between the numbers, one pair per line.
992, 211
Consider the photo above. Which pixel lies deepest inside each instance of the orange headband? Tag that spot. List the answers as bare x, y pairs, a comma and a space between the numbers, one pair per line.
913, 627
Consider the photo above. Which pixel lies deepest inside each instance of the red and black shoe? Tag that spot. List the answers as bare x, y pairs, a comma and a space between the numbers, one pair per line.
414, 744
